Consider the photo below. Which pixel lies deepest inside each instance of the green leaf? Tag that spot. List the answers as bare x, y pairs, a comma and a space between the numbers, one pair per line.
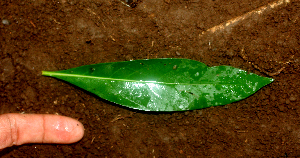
164, 84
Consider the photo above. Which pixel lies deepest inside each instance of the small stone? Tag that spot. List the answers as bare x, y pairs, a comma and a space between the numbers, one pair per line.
287, 101
7, 69
200, 112
129, 57
272, 97
186, 113
282, 101
230, 53
5, 22
30, 94
142, 151
293, 98
281, 108
168, 1
267, 91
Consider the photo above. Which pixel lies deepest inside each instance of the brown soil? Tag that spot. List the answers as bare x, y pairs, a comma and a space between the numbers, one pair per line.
54, 35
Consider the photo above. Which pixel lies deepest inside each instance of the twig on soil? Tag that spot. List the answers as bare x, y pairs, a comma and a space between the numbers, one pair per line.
119, 117
260, 69
232, 22
92, 140
112, 38
246, 131
129, 3
56, 21
98, 17
32, 23
124, 3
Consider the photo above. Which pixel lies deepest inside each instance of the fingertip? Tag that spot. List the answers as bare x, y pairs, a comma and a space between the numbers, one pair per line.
78, 132
61, 129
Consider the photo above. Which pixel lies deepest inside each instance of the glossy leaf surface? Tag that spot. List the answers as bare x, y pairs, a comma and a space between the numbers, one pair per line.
164, 84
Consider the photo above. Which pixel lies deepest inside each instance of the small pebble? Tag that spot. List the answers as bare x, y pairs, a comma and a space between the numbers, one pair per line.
282, 100
186, 113
5, 22
168, 1
7, 69
293, 98
200, 112
272, 97
281, 108
129, 57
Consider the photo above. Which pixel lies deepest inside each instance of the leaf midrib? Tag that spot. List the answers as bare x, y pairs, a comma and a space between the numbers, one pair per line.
52, 74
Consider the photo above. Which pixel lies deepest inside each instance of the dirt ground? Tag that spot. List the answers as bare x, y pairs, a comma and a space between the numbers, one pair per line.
260, 36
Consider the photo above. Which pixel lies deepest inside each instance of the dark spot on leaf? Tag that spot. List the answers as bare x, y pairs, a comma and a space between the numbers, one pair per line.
190, 92
142, 63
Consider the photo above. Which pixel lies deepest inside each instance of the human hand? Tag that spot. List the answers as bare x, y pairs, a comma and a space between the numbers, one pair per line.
18, 129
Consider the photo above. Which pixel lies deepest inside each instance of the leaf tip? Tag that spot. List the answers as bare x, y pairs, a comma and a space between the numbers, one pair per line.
271, 80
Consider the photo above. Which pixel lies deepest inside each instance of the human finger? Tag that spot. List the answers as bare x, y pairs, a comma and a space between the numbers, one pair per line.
17, 129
